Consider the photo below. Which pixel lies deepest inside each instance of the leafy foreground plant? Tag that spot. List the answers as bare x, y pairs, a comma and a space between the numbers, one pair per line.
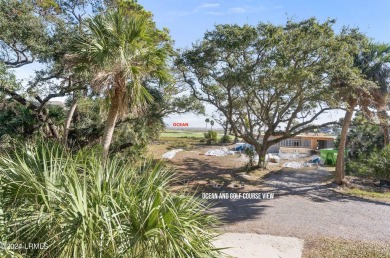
76, 207
379, 163
211, 137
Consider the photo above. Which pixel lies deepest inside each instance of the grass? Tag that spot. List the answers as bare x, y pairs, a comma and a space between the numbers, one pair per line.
326, 247
184, 134
185, 140
182, 143
368, 194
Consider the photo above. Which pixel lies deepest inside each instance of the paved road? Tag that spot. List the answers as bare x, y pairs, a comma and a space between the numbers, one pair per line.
306, 206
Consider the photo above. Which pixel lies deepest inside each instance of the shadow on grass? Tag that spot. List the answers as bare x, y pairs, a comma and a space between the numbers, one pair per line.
202, 176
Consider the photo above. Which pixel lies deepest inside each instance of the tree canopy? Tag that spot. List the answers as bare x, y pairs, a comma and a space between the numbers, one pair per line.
45, 32
263, 78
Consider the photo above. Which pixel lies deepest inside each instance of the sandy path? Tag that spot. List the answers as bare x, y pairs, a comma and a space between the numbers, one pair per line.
247, 245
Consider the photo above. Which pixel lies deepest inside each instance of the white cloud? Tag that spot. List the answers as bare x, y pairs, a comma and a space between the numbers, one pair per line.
238, 10
208, 5
217, 9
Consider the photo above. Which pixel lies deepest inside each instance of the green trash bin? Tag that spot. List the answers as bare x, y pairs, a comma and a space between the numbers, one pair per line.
329, 156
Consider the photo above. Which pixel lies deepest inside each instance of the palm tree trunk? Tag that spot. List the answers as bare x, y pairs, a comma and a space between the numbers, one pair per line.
43, 116
69, 120
50, 130
53, 129
111, 120
340, 169
383, 117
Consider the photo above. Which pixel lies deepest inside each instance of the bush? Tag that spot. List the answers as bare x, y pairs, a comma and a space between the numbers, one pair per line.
379, 163
251, 154
82, 207
226, 139
211, 137
357, 167
362, 139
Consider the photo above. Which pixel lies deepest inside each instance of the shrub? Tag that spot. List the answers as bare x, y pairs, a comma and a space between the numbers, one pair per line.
226, 139
211, 137
379, 163
362, 139
82, 207
357, 167
251, 154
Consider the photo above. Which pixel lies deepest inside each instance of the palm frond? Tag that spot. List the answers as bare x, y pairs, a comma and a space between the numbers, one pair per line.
81, 207
117, 42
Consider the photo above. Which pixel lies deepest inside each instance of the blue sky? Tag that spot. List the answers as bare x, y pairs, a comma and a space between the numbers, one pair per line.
189, 20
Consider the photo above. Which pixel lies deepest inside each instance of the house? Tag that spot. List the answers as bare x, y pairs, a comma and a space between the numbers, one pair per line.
306, 141
57, 103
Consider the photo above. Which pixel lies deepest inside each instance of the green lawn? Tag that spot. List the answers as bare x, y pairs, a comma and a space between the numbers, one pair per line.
368, 194
184, 134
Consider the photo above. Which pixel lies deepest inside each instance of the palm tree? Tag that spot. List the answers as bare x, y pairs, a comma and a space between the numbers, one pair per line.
207, 121
120, 49
377, 69
211, 124
372, 91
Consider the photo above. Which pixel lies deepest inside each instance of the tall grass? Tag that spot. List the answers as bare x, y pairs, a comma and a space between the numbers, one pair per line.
75, 206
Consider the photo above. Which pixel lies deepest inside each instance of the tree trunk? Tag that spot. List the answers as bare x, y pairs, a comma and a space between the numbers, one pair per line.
383, 117
225, 132
43, 117
46, 130
53, 129
340, 168
113, 112
262, 154
261, 150
69, 120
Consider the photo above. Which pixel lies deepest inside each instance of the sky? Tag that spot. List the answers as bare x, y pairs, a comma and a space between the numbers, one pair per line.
189, 20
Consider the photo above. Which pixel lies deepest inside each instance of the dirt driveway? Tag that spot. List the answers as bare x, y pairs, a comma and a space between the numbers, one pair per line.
306, 205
